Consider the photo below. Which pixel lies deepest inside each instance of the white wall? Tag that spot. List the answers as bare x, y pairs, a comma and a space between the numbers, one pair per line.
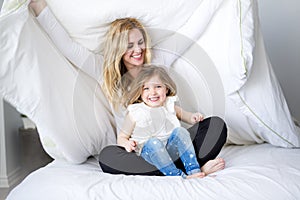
280, 25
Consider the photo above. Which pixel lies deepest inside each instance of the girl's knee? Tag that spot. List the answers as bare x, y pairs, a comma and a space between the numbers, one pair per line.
153, 143
180, 132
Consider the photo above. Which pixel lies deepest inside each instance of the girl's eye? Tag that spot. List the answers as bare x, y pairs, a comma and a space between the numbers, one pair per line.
145, 88
158, 86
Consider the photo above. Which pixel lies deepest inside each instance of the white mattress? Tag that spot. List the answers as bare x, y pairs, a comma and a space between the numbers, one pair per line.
259, 171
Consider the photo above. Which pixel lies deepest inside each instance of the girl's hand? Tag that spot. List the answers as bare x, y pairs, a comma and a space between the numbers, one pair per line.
37, 6
196, 117
130, 146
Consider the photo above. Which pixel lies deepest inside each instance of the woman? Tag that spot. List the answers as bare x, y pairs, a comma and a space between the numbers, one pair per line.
126, 50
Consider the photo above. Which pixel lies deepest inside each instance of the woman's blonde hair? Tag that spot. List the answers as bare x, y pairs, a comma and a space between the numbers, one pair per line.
136, 86
115, 47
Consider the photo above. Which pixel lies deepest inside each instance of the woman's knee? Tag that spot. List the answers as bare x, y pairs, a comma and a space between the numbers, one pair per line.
220, 128
219, 122
217, 119
109, 151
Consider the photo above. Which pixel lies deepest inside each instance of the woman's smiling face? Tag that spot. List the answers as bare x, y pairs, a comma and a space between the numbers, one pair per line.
134, 56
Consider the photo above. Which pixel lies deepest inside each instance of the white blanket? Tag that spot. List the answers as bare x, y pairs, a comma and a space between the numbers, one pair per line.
71, 113
258, 171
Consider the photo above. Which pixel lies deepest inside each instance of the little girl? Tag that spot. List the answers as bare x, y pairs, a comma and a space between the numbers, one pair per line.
151, 127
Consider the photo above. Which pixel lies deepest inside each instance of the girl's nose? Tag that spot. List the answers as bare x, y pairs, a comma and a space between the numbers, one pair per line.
152, 91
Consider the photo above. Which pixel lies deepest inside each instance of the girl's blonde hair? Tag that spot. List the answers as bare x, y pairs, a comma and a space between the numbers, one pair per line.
115, 47
148, 71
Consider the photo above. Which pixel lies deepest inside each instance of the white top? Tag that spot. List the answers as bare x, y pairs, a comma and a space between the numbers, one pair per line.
151, 122
91, 63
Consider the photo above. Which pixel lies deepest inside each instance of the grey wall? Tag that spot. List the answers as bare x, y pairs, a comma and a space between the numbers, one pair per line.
280, 24
10, 171
12, 123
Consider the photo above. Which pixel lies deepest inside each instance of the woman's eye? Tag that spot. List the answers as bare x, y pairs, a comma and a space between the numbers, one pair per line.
141, 42
129, 46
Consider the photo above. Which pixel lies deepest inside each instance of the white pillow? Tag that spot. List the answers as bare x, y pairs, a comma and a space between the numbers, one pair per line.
71, 114
256, 110
87, 22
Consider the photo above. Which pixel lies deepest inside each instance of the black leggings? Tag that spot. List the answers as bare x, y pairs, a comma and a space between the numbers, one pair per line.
208, 137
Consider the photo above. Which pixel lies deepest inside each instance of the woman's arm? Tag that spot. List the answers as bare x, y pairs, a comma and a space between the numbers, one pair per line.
80, 56
37, 6
188, 117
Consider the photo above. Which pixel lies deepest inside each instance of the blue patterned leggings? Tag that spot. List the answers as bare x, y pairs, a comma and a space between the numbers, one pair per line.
179, 145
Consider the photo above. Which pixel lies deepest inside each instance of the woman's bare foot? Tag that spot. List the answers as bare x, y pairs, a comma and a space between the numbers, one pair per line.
196, 175
213, 165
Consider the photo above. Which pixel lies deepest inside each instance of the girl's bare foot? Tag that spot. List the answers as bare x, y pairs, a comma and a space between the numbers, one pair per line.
213, 165
196, 175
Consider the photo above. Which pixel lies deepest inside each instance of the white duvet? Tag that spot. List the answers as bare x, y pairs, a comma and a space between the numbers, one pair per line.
225, 72
258, 171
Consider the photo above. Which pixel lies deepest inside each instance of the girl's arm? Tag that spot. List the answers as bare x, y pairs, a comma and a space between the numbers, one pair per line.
188, 117
80, 56
123, 140
125, 133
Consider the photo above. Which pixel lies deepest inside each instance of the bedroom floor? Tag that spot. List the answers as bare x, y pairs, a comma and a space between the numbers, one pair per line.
33, 156
4, 192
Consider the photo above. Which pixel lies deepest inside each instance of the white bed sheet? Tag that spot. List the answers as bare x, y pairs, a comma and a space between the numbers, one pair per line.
259, 171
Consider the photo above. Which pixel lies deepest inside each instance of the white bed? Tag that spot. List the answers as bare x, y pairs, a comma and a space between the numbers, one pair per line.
262, 153
259, 171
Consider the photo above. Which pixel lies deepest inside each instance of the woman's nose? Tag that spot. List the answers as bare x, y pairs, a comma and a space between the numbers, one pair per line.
137, 49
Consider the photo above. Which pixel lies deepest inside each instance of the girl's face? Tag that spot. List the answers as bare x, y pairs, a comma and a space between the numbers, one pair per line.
154, 92
134, 56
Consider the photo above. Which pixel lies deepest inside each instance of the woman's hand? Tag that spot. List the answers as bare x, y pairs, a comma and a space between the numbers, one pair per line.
196, 117
37, 6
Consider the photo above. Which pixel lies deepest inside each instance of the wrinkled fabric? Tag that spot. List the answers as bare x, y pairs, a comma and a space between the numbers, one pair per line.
228, 72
